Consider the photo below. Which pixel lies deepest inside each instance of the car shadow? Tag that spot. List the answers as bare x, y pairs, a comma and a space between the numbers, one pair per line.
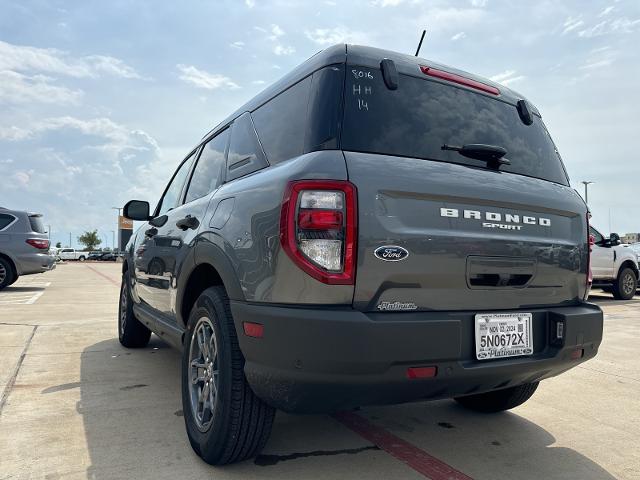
131, 408
22, 289
603, 298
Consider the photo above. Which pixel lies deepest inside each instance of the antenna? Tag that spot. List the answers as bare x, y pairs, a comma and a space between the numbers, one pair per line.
420, 44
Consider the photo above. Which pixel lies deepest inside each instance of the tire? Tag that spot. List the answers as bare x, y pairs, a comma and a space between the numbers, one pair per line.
498, 400
237, 424
624, 287
131, 332
7, 273
81, 258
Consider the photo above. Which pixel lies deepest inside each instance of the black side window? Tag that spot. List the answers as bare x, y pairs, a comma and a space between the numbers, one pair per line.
245, 153
325, 109
5, 220
596, 235
281, 123
209, 170
171, 197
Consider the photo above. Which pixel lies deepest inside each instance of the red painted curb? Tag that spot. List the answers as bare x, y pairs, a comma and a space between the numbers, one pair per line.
117, 284
418, 459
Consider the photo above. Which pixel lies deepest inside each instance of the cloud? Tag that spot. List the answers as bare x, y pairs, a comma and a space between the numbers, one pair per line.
75, 169
111, 66
13, 133
239, 45
206, 80
607, 27
16, 88
479, 3
571, 24
276, 32
600, 57
458, 36
258, 82
507, 77
22, 178
386, 3
331, 36
606, 11
250, 3
284, 50
21, 58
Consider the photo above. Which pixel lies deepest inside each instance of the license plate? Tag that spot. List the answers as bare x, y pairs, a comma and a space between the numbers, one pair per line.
500, 335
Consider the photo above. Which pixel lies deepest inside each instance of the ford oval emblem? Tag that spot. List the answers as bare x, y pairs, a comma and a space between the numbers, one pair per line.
391, 253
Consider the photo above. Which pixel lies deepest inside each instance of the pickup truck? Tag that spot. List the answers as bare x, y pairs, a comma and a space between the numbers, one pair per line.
72, 254
614, 266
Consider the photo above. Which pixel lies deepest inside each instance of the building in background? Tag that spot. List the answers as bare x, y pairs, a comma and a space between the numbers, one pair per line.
630, 238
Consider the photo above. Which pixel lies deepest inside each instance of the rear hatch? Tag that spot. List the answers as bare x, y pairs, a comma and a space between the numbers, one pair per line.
457, 233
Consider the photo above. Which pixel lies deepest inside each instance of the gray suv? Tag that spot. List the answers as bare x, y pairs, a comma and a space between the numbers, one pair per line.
374, 228
24, 246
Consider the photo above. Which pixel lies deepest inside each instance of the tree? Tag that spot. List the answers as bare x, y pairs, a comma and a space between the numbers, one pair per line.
58, 245
90, 240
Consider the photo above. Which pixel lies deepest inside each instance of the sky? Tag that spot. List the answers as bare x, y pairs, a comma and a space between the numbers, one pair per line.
100, 101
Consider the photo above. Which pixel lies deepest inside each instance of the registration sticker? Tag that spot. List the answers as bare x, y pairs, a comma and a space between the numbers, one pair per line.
500, 335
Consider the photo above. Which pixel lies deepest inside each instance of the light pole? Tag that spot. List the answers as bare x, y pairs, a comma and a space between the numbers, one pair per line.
119, 213
586, 191
113, 240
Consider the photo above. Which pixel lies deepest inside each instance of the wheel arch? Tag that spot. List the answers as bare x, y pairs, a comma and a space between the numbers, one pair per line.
211, 267
629, 264
12, 263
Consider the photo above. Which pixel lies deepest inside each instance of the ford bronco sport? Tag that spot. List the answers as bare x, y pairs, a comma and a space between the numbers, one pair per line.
374, 228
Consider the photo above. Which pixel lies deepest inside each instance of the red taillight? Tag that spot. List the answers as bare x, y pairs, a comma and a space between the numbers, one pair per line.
591, 240
255, 330
38, 243
459, 79
421, 372
318, 228
577, 354
310, 219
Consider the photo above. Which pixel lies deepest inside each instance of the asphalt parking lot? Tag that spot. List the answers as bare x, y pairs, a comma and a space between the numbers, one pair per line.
75, 404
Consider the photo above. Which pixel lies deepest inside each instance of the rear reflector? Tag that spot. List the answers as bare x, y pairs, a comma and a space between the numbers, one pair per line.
421, 372
255, 330
38, 243
459, 79
576, 354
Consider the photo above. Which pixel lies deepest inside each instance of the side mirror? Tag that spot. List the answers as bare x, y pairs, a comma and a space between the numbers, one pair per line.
136, 210
614, 239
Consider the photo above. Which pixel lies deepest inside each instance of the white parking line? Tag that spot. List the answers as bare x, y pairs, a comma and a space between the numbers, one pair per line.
23, 298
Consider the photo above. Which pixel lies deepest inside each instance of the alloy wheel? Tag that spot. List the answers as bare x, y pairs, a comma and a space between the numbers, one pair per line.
628, 283
203, 373
123, 307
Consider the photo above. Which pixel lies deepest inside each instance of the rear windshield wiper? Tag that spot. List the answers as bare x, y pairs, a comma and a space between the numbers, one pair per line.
492, 154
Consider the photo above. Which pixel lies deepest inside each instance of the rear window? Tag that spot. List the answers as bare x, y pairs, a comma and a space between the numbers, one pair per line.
36, 224
422, 115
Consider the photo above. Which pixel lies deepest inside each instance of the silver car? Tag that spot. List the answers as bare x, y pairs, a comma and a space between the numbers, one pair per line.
24, 246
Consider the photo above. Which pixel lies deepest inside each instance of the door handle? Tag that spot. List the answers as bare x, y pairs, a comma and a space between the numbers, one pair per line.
187, 223
150, 232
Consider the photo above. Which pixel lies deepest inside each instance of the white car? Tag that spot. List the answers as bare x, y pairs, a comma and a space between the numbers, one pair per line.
73, 254
614, 266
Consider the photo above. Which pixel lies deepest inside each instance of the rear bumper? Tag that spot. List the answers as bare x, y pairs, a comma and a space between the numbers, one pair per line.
35, 263
323, 359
